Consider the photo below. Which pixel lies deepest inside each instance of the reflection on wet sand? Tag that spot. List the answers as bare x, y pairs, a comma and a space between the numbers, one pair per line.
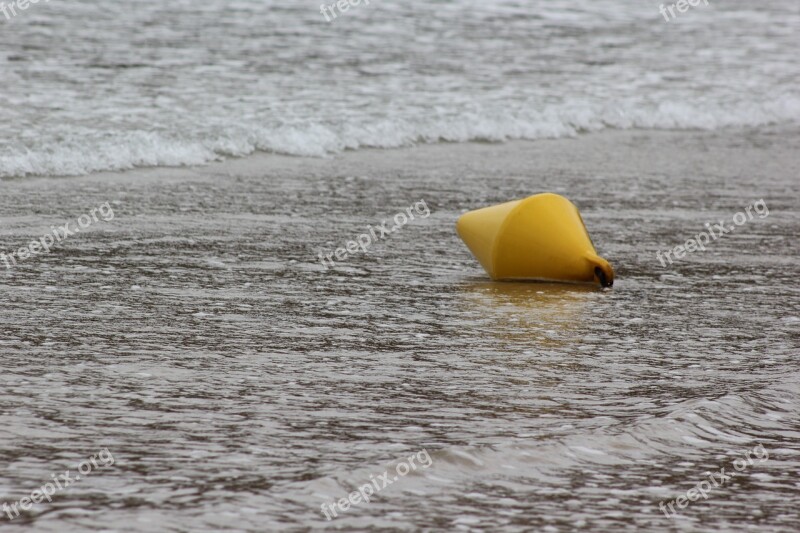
548, 313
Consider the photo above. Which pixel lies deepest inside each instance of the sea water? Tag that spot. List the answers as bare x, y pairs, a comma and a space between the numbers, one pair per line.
105, 85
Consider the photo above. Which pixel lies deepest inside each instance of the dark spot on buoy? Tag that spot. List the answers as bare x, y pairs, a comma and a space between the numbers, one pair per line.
602, 277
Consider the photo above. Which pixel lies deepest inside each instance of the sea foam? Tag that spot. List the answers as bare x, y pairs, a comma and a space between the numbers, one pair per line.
95, 152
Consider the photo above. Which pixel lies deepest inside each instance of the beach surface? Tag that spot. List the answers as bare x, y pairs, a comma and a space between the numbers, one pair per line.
239, 384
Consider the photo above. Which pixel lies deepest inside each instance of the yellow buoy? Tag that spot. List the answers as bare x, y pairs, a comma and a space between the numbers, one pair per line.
541, 238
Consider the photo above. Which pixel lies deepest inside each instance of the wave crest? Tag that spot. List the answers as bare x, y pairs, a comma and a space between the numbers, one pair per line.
114, 151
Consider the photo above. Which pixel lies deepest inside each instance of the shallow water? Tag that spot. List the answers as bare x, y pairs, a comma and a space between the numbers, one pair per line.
104, 85
239, 386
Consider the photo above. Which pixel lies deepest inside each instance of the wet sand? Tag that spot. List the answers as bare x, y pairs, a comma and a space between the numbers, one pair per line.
239, 385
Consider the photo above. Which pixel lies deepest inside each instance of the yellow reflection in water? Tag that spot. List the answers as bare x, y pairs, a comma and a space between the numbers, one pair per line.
548, 313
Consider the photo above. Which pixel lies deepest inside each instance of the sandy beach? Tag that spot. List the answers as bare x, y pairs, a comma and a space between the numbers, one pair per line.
234, 297
239, 384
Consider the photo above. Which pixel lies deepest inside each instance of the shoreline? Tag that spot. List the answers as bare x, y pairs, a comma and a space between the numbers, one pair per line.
273, 161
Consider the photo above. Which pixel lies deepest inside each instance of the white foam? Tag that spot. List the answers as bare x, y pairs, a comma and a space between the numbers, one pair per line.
128, 150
